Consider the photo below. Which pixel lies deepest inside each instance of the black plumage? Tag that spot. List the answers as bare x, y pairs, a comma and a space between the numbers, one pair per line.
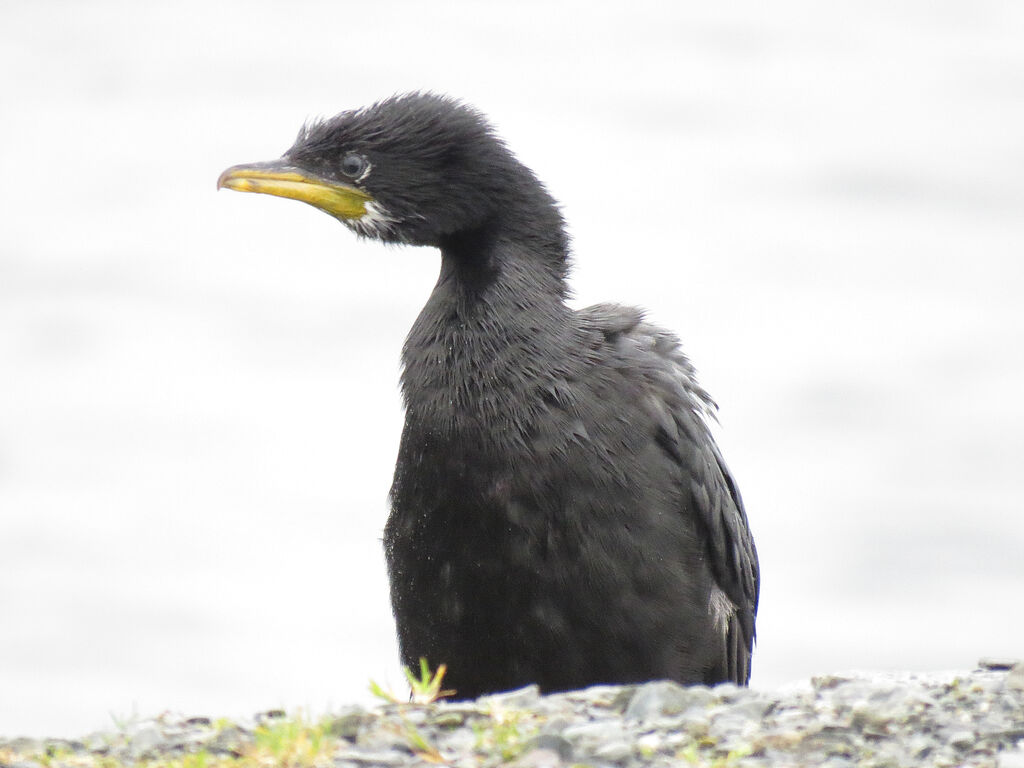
560, 514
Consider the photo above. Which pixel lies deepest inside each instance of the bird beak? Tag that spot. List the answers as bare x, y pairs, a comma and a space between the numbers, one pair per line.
283, 180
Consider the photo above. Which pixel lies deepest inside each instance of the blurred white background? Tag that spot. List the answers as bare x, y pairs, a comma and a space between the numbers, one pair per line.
199, 410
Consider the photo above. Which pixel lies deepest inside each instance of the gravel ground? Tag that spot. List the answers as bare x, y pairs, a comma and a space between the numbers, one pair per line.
967, 719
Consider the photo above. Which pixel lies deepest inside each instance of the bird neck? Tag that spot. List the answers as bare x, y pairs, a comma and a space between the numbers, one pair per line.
506, 257
495, 328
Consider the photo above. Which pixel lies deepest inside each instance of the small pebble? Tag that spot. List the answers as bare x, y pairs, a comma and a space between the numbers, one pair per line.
144, 741
1015, 677
522, 697
539, 758
560, 746
997, 664
660, 699
961, 739
614, 752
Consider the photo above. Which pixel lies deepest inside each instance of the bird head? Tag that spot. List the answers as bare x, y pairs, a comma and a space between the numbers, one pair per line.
417, 169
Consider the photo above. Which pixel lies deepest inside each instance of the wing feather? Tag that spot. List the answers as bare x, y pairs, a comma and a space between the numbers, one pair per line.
683, 412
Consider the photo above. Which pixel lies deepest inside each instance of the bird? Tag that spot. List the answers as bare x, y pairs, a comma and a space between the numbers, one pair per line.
560, 513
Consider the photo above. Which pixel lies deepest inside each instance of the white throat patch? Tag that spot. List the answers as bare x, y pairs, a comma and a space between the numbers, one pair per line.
376, 222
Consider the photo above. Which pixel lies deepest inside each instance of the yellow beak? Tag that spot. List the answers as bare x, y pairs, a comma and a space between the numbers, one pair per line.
283, 180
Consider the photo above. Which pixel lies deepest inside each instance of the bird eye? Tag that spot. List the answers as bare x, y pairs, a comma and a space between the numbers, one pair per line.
354, 166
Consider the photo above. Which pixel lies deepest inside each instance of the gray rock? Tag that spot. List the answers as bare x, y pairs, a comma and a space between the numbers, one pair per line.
64, 745
730, 692
592, 732
838, 762
1015, 677
828, 682
997, 664
614, 752
557, 744
612, 696
268, 716
731, 730
962, 739
920, 745
23, 744
753, 706
382, 740
229, 740
98, 742
415, 715
539, 757
554, 726
517, 699
445, 719
382, 758
346, 726
666, 698
144, 741
456, 741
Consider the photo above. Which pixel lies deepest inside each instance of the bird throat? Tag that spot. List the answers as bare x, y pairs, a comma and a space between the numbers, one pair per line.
491, 337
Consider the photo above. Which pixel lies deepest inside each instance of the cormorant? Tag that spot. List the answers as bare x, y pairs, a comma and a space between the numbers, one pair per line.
560, 512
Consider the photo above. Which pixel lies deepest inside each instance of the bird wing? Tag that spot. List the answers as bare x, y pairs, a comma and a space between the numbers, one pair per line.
682, 412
